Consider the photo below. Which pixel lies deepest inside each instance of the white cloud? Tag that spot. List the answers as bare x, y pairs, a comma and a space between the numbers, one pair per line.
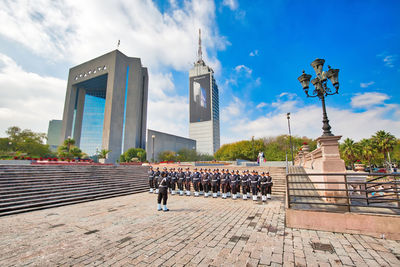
232, 110
261, 105
27, 99
232, 4
254, 53
389, 60
365, 85
307, 121
78, 31
244, 68
367, 100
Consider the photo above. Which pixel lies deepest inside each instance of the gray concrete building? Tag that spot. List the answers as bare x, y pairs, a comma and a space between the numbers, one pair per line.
106, 105
53, 134
158, 142
203, 106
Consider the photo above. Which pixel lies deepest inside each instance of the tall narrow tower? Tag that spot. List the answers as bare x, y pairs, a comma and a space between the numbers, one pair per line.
204, 106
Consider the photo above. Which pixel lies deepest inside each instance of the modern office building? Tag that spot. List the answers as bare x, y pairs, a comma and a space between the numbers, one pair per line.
203, 106
106, 105
53, 134
159, 142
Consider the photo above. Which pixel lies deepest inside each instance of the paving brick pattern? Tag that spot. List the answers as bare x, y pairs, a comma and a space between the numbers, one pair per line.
128, 231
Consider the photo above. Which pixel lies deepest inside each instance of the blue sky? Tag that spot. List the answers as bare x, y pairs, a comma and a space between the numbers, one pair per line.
257, 49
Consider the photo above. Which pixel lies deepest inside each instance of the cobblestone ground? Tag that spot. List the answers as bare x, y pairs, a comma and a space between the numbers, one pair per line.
196, 232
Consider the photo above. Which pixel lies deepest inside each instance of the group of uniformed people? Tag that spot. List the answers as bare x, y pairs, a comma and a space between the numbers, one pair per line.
226, 183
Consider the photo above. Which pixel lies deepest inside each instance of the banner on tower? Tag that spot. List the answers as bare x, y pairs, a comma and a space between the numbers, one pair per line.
200, 104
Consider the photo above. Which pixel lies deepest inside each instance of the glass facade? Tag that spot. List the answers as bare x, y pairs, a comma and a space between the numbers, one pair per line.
93, 114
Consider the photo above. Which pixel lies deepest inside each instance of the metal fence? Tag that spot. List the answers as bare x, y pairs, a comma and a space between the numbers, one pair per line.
358, 192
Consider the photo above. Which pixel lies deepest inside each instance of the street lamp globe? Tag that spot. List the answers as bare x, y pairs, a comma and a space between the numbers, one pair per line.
304, 79
318, 64
333, 75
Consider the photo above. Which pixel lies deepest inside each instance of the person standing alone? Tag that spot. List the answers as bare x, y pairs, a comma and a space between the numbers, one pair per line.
163, 190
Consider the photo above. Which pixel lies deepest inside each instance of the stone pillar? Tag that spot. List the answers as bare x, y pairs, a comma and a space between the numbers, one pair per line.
332, 163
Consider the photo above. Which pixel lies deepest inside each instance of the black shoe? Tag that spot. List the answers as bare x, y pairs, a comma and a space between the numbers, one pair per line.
159, 209
166, 210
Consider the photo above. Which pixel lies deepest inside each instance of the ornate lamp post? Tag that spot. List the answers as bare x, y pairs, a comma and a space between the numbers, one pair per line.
321, 89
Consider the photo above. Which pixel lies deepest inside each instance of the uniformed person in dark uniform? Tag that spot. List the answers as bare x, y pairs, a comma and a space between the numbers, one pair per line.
237, 177
214, 183
234, 181
157, 179
163, 190
173, 181
228, 182
201, 192
181, 180
269, 185
151, 179
223, 183
254, 184
188, 181
196, 182
205, 181
245, 184
263, 185
218, 183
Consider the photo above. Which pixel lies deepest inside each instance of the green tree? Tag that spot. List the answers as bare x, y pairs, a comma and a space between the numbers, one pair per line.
24, 142
69, 150
131, 153
384, 143
367, 151
103, 153
167, 156
349, 150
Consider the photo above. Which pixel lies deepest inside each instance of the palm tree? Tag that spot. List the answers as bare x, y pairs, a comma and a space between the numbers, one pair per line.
69, 143
349, 151
103, 153
384, 142
368, 151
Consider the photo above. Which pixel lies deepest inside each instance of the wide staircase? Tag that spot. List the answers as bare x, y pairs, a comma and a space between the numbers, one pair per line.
278, 175
31, 187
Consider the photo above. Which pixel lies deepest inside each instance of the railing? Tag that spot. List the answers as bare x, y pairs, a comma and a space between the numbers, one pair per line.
374, 195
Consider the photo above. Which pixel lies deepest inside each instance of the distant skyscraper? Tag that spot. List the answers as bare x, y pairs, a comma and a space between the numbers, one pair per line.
54, 134
106, 105
204, 106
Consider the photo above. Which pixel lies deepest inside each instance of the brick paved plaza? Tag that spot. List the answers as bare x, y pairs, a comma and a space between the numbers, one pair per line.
196, 232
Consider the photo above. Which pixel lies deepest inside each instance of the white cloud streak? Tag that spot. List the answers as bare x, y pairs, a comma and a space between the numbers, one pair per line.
367, 100
365, 85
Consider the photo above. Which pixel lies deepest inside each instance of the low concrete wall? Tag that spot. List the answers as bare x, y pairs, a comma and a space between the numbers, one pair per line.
15, 162
375, 225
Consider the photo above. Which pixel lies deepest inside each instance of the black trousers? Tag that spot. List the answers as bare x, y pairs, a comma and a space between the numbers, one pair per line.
180, 185
201, 186
228, 188
269, 189
254, 190
223, 186
238, 188
173, 185
234, 189
162, 194
244, 189
264, 190
196, 186
151, 183
215, 187
156, 183
206, 187
187, 185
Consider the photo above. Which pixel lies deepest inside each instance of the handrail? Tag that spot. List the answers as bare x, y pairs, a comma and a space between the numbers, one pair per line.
343, 196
